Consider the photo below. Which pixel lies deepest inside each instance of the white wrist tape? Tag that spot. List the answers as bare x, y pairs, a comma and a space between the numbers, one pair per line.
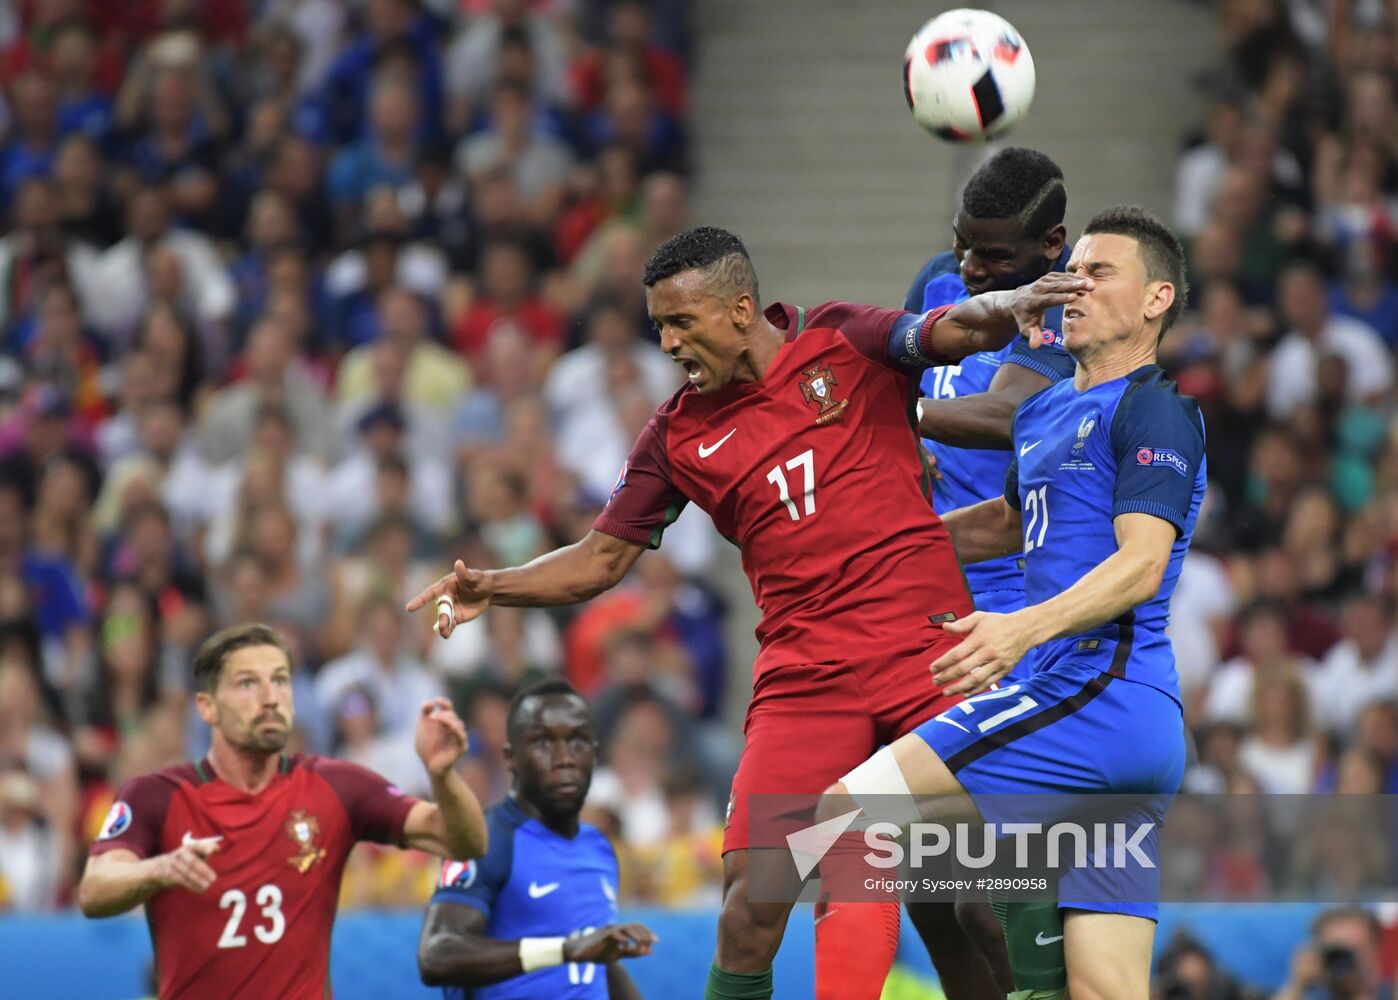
540, 953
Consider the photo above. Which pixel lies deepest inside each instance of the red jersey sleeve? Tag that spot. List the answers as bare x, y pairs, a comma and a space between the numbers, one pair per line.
137, 817
377, 810
644, 501
894, 338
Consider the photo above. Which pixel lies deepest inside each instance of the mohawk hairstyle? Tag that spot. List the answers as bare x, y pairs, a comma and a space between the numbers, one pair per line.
717, 252
1159, 248
1017, 183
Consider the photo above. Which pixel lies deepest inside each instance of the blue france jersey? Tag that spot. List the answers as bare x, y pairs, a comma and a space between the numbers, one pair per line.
970, 475
535, 883
1132, 445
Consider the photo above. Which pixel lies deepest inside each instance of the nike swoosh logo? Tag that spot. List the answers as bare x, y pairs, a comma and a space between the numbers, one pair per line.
1039, 939
537, 891
951, 722
1025, 449
706, 450
190, 838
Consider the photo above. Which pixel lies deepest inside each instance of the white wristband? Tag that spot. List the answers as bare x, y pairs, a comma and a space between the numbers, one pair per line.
540, 953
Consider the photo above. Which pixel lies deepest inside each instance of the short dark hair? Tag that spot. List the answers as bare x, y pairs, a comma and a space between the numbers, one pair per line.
704, 248
539, 689
1159, 248
208, 662
1018, 183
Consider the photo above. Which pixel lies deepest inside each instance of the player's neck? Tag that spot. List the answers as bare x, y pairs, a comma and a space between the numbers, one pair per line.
242, 769
564, 826
764, 343
1111, 365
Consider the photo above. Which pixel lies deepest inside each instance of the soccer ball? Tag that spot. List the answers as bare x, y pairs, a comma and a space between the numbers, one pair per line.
968, 76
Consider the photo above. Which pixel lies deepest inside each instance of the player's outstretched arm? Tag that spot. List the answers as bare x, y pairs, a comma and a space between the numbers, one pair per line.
620, 985
568, 575
994, 643
988, 322
117, 880
453, 824
453, 950
982, 419
986, 530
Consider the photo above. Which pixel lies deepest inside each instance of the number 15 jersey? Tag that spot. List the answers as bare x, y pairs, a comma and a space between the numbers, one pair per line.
816, 472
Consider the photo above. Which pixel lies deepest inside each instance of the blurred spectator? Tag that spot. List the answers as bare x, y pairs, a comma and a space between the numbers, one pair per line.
1339, 960
1362, 668
473, 58
397, 682
507, 293
30, 857
387, 155
1264, 654
34, 139
1314, 333
1281, 753
390, 754
432, 375
537, 162
510, 366
1187, 971
630, 48
87, 210
36, 252
348, 499
272, 380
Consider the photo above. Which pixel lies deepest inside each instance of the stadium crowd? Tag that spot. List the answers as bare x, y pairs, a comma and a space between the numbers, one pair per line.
302, 299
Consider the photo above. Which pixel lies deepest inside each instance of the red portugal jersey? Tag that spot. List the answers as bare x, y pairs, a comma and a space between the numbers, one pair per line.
816, 471
263, 928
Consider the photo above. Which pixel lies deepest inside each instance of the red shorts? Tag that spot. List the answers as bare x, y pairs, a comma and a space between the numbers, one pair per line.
810, 724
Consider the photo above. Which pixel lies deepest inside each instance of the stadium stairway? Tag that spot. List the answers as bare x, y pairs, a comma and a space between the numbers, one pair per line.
805, 148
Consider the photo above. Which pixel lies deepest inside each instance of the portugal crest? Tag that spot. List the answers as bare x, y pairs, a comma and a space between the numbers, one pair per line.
818, 386
303, 829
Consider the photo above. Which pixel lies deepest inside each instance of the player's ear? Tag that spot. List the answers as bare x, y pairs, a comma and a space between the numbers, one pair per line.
509, 752
204, 704
1160, 296
1054, 242
742, 310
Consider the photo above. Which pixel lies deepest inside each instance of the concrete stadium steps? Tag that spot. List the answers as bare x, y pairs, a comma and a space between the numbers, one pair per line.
804, 145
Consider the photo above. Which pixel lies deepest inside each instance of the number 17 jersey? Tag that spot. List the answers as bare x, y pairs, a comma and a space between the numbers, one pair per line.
816, 472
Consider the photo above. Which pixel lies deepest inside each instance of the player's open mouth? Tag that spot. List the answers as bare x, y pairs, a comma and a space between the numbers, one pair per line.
692, 369
1072, 314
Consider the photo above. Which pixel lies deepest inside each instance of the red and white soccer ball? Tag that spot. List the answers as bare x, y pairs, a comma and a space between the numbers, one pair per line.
968, 75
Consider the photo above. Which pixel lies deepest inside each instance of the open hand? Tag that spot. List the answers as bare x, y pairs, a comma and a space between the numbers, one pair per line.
1029, 303
994, 643
607, 944
440, 739
456, 598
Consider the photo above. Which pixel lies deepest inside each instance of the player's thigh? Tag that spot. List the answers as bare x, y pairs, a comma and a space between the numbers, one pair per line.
1108, 955
806, 726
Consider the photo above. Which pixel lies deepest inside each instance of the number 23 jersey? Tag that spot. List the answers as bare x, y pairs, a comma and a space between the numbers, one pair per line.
816, 472
263, 928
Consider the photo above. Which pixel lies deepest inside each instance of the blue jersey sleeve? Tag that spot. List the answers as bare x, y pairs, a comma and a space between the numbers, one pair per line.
477, 883
943, 263
1158, 443
1049, 360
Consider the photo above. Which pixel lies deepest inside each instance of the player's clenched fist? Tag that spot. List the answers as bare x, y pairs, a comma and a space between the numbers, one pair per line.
994, 643
440, 738
456, 598
185, 866
607, 944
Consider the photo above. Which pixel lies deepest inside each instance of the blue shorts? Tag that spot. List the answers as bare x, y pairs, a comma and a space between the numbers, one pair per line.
1070, 728
1003, 602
